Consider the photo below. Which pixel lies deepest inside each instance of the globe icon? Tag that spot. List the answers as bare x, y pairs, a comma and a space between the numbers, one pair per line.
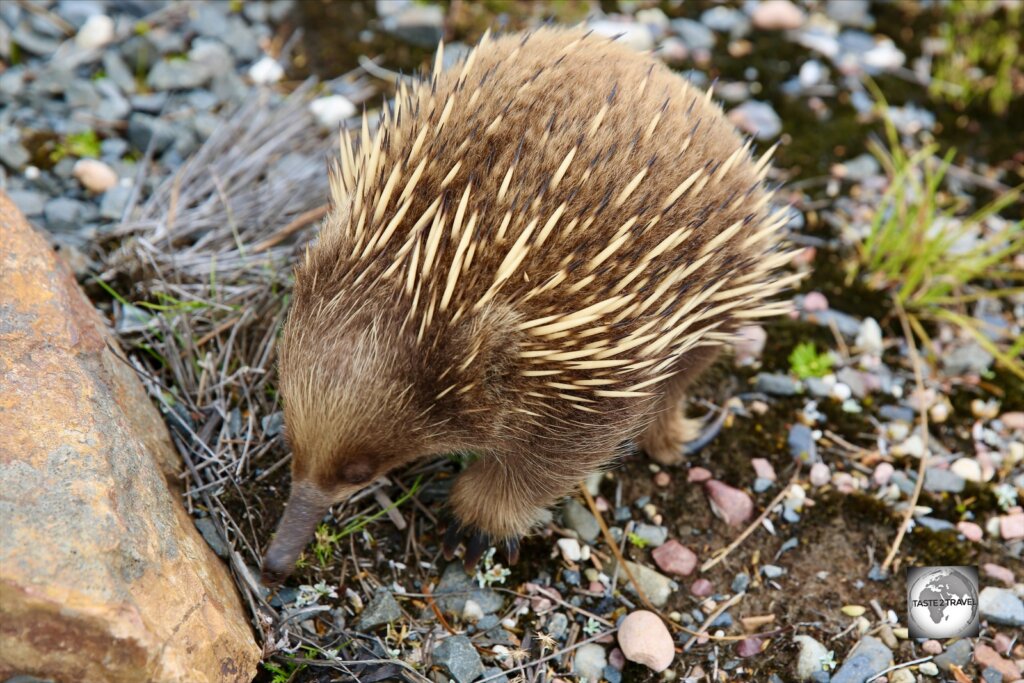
943, 602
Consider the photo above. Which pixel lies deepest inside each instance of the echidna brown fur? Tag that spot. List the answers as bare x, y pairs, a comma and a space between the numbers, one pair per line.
530, 259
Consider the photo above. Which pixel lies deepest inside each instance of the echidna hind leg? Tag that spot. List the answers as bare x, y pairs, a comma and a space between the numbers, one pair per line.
665, 438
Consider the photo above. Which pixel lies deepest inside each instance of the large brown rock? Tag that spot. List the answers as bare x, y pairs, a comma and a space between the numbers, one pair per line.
103, 576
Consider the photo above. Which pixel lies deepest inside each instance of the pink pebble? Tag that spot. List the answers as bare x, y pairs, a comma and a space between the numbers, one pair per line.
999, 573
814, 302
971, 531
763, 468
844, 482
662, 479
616, 659
673, 557
1014, 420
932, 647
702, 588
749, 344
732, 506
698, 475
820, 474
749, 647
596, 587
882, 474
805, 256
601, 504
1002, 642
1012, 526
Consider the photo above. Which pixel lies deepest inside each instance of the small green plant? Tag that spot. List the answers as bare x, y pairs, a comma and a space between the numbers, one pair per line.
282, 673
805, 361
490, 572
635, 540
980, 58
932, 255
83, 144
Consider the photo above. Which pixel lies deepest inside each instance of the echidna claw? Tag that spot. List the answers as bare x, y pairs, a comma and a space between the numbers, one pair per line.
476, 543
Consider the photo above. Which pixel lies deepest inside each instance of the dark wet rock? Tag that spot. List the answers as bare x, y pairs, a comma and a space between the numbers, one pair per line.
459, 658
943, 481
959, 653
801, 443
869, 657
212, 536
580, 520
777, 384
696, 35
1001, 606
383, 609
461, 586
178, 74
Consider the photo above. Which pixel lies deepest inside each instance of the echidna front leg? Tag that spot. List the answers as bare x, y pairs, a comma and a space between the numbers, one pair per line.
665, 437
501, 497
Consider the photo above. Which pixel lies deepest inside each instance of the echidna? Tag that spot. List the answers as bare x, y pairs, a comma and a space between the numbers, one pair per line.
530, 260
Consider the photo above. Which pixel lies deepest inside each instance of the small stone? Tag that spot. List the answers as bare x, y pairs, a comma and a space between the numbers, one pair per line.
931, 647
570, 549
812, 73
820, 474
1011, 526
777, 15
729, 504
662, 479
772, 571
1001, 606
942, 481
971, 531
114, 201
651, 534
814, 302
869, 337
853, 610
956, 654
757, 118
95, 175
97, 31
869, 657
694, 34
212, 537
266, 71
697, 475
656, 586
644, 639
929, 669
999, 573
674, 558
331, 111
383, 609
458, 656
750, 343
63, 214
986, 656
143, 128
725, 20
178, 74
763, 468
740, 583
29, 202
971, 358
590, 662
777, 384
1014, 421
701, 588
902, 676
557, 625
421, 25
472, 612
580, 520
801, 443
636, 36
809, 660
749, 647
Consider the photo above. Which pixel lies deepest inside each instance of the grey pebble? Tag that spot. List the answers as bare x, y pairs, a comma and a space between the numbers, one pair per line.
13, 154
801, 443
142, 128
383, 609
63, 214
935, 524
761, 484
417, 24
990, 675
580, 520
772, 571
213, 538
696, 35
114, 106
118, 72
895, 412
272, 424
1001, 606
817, 387
494, 672
178, 74
777, 384
869, 657
113, 202
12, 82
150, 103
461, 586
726, 20
82, 94
458, 656
943, 481
653, 535
32, 42
968, 359
558, 624
29, 202
959, 653
757, 118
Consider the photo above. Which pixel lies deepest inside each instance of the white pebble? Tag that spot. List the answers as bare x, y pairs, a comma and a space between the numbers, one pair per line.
869, 337
841, 391
929, 669
266, 71
331, 111
94, 175
820, 474
968, 468
939, 412
31, 172
570, 549
472, 612
97, 31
